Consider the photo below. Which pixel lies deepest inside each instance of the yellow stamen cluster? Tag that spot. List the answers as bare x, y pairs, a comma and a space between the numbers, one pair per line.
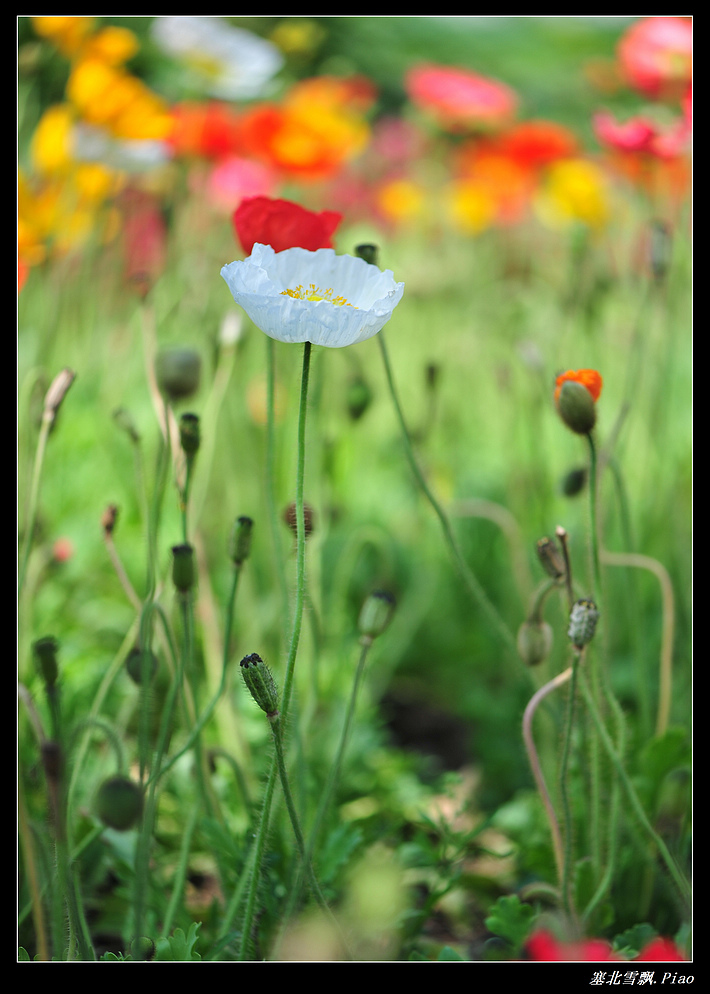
314, 292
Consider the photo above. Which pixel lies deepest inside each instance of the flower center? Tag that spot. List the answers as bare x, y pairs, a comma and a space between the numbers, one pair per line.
313, 292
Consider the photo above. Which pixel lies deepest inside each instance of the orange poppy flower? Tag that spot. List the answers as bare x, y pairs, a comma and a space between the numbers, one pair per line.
589, 378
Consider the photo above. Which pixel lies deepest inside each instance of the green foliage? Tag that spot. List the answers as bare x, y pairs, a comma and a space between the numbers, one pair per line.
512, 920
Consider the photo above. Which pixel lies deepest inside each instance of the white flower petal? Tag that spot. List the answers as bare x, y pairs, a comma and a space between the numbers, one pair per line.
260, 283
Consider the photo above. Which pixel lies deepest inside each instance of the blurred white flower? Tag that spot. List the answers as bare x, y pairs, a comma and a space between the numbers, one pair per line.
92, 144
318, 297
224, 61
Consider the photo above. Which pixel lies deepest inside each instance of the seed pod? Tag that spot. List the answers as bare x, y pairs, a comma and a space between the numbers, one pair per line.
240, 540
183, 567
551, 558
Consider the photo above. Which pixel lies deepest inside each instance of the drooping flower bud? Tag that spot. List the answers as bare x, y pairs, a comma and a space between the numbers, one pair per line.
240, 540
260, 684
582, 622
534, 641
119, 803
183, 567
178, 372
376, 614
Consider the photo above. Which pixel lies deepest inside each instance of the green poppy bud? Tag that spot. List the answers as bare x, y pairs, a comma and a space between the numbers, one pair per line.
370, 253
582, 622
577, 408
45, 651
260, 684
183, 567
189, 434
534, 642
178, 372
376, 614
119, 803
135, 664
240, 540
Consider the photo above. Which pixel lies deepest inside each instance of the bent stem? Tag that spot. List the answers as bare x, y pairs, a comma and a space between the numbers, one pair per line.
471, 581
530, 710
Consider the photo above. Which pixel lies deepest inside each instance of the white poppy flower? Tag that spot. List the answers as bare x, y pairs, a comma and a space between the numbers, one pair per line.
228, 62
318, 297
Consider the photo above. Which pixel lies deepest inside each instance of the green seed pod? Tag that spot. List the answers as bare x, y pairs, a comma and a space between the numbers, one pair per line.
45, 651
577, 408
582, 622
260, 684
178, 372
534, 642
376, 614
240, 540
119, 803
183, 567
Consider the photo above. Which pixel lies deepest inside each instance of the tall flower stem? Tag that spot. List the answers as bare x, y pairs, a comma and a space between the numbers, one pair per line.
263, 826
471, 581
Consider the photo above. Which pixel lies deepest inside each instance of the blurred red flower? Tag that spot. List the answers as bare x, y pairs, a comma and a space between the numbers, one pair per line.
542, 946
656, 56
206, 130
660, 951
460, 99
144, 238
642, 135
589, 378
283, 225
534, 144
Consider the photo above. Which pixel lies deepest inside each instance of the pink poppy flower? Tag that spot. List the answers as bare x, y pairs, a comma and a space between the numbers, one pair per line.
656, 56
460, 99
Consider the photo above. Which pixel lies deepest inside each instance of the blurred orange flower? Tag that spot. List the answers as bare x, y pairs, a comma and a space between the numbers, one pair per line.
589, 378
317, 129
460, 99
68, 34
534, 144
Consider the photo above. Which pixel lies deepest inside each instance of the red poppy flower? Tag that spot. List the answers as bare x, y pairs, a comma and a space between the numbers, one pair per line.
656, 56
589, 378
283, 225
641, 135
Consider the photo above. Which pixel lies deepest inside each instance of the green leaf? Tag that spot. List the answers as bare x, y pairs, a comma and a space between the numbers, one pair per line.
511, 920
447, 953
179, 947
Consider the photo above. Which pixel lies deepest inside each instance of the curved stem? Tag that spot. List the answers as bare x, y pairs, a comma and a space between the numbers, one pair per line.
530, 710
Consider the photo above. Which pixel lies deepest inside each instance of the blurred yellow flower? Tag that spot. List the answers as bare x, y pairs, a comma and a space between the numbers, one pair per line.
51, 148
112, 45
574, 190
469, 206
66, 33
109, 97
400, 200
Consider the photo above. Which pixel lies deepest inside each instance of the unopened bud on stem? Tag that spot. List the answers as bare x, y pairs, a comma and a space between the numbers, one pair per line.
260, 684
